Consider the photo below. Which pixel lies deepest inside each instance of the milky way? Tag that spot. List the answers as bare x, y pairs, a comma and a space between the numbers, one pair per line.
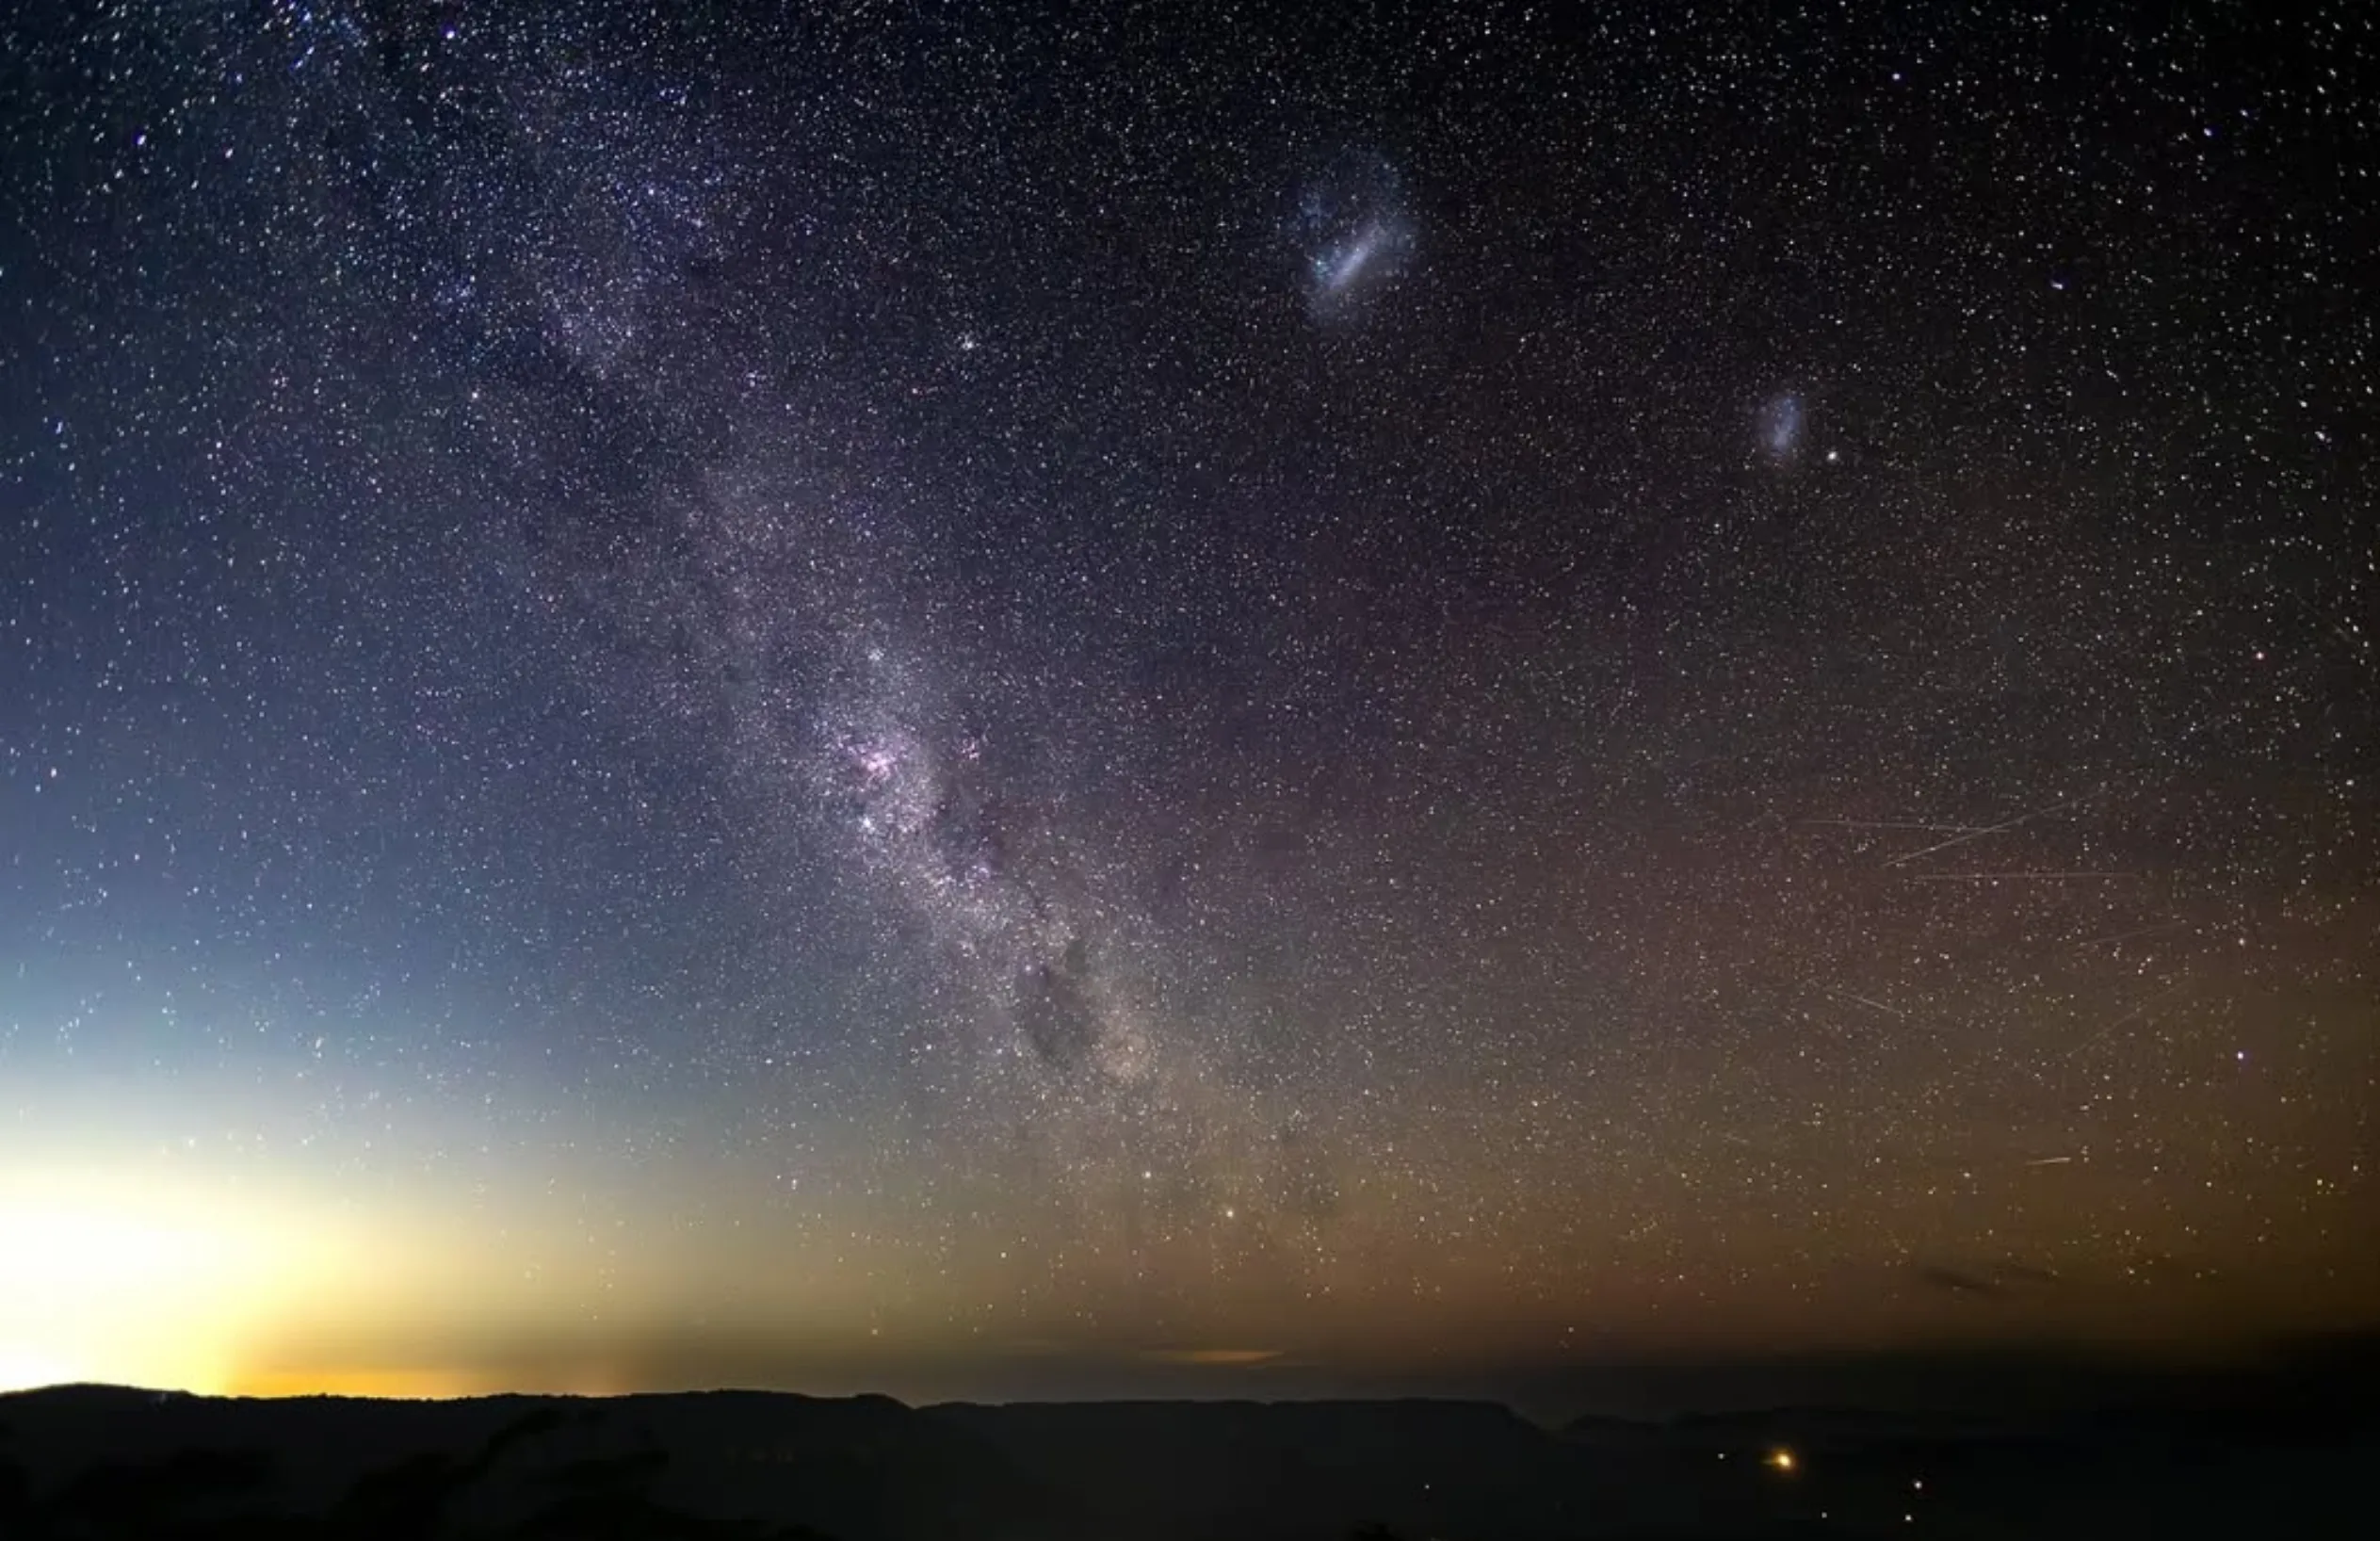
818, 698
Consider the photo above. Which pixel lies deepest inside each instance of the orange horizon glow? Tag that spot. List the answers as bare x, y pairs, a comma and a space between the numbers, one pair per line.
117, 1269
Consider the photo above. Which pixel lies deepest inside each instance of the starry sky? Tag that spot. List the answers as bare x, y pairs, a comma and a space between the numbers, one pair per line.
969, 698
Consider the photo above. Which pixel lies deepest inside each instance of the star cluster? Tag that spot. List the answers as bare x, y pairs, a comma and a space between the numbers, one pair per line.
788, 693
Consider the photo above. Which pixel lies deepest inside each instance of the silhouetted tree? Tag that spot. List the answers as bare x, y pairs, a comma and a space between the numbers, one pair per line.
159, 1498
409, 1500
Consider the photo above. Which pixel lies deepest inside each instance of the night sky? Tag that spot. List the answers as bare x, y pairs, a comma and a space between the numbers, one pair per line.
970, 698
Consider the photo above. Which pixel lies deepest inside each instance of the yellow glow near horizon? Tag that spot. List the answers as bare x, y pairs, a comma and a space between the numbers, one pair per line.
140, 1269
120, 1278
335, 1381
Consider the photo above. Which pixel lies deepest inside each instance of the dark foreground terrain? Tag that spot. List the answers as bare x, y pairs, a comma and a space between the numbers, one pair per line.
105, 1462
